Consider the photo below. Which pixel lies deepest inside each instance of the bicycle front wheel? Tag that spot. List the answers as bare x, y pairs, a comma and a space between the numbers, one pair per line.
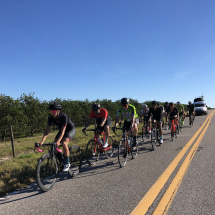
110, 149
153, 138
92, 152
122, 152
47, 172
75, 160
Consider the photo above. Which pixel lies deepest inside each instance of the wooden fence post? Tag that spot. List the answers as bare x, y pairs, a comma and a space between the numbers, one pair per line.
12, 140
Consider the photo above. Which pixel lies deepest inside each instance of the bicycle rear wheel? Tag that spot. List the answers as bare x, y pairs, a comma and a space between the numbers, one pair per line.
75, 160
92, 152
122, 152
46, 172
153, 138
110, 149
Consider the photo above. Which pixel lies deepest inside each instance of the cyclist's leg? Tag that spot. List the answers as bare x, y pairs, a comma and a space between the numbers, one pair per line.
135, 132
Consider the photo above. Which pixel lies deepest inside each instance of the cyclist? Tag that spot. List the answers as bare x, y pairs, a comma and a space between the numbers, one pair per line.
181, 111
66, 131
191, 110
157, 116
128, 112
166, 107
103, 121
173, 113
144, 113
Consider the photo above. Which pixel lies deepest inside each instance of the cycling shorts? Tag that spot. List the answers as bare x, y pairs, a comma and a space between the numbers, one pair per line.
68, 134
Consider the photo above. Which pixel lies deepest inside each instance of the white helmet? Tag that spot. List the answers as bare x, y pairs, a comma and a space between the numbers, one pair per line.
144, 106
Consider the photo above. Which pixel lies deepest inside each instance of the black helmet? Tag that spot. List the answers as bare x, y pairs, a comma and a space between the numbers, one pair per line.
178, 103
95, 106
171, 103
166, 103
54, 106
153, 103
124, 101
189, 102
158, 103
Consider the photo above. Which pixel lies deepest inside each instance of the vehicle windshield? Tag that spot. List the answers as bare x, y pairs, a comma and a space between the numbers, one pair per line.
199, 105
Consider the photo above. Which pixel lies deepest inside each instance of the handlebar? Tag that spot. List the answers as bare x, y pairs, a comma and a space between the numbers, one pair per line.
37, 145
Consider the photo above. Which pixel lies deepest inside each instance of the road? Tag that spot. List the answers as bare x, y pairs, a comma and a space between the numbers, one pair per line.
144, 186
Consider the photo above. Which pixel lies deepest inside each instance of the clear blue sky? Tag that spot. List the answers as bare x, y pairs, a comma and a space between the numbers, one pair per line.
108, 49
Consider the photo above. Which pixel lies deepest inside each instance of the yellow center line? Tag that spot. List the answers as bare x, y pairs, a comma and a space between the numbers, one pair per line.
169, 195
151, 195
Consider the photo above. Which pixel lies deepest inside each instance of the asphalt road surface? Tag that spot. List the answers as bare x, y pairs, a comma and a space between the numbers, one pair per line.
108, 189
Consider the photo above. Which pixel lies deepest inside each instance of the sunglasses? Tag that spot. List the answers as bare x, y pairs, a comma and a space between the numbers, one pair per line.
53, 111
124, 105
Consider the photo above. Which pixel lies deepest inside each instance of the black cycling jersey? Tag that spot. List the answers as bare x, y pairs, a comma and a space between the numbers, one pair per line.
173, 112
166, 107
61, 121
157, 113
191, 108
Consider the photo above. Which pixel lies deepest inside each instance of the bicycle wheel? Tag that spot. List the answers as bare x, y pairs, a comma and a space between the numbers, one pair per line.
47, 172
143, 132
92, 152
134, 150
75, 160
153, 138
122, 152
110, 149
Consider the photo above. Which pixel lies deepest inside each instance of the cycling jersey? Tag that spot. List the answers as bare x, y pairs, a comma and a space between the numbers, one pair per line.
191, 108
157, 113
173, 112
145, 112
180, 108
162, 108
127, 114
166, 107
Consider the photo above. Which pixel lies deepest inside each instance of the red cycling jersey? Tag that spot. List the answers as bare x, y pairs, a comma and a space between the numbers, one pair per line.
103, 114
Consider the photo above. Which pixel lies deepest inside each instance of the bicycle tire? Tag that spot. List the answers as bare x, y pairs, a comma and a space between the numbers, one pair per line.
111, 147
121, 151
134, 150
46, 172
75, 160
92, 152
153, 139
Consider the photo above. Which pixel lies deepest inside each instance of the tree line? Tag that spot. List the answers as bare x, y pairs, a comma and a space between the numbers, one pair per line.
28, 115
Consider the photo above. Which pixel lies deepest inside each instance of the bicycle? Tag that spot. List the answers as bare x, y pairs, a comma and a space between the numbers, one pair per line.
126, 146
94, 148
192, 118
174, 129
51, 163
154, 135
145, 133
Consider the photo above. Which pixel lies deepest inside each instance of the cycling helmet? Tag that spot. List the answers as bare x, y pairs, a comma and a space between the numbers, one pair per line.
178, 103
95, 106
54, 106
144, 105
153, 103
166, 103
124, 101
189, 102
171, 103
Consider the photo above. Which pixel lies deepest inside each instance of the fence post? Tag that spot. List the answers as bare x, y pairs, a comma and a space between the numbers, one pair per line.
12, 140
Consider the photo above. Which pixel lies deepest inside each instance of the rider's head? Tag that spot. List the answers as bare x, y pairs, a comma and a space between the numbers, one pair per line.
154, 104
55, 109
171, 104
125, 103
144, 106
167, 103
178, 103
96, 108
189, 102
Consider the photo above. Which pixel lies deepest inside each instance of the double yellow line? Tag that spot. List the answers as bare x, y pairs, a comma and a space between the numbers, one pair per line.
166, 201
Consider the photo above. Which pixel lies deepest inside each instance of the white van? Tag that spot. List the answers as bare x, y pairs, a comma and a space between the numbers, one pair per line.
200, 107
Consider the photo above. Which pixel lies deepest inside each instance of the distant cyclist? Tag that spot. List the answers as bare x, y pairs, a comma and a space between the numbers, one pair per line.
103, 121
191, 109
157, 115
144, 112
181, 111
173, 113
128, 112
66, 130
166, 107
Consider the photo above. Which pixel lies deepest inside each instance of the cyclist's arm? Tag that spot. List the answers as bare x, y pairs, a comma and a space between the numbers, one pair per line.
132, 119
45, 134
117, 120
103, 122
89, 122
